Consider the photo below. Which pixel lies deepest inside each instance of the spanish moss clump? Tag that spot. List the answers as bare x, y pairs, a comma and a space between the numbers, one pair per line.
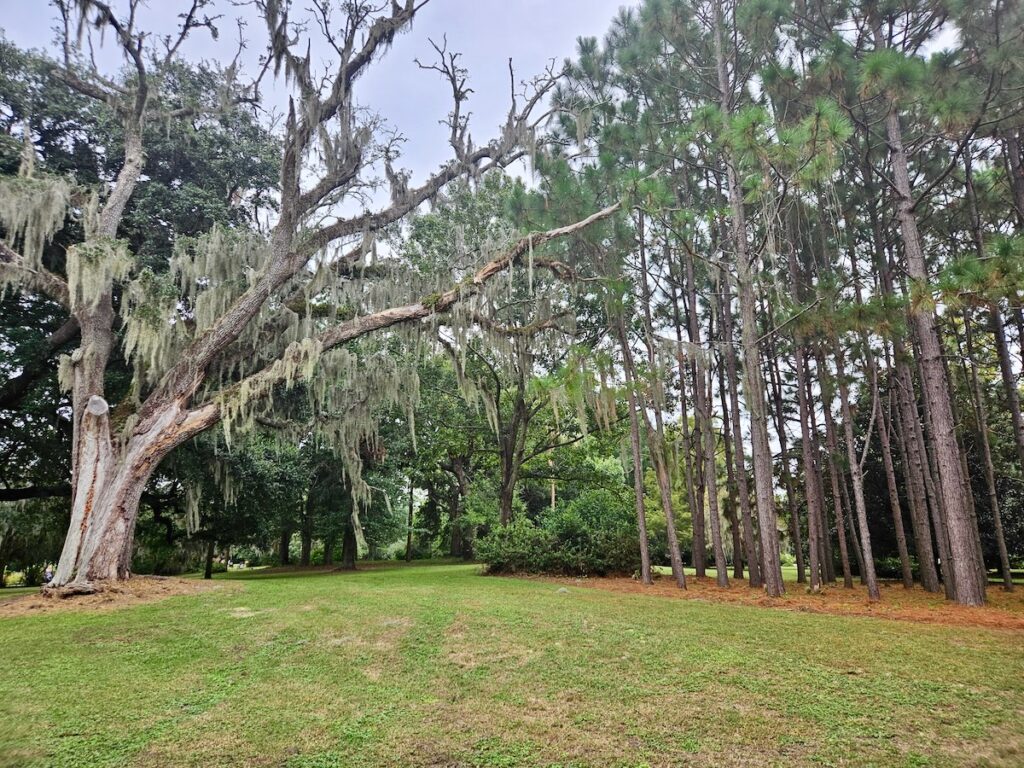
93, 268
32, 211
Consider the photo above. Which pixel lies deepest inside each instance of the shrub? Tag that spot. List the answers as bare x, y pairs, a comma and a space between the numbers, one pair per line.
519, 547
595, 534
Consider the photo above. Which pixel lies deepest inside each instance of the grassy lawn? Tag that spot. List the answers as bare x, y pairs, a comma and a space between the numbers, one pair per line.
435, 665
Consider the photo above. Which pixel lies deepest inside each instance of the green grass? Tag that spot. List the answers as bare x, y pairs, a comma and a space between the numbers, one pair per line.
437, 665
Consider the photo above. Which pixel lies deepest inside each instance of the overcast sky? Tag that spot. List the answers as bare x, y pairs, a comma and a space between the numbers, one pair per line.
486, 32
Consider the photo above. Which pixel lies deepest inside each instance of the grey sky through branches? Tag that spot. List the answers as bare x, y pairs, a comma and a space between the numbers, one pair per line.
533, 33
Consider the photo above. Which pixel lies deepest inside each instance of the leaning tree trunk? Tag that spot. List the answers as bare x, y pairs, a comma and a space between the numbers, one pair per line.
970, 584
1009, 379
884, 422
656, 431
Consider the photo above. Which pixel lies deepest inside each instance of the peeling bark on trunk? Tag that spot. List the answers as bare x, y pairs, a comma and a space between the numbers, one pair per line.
109, 485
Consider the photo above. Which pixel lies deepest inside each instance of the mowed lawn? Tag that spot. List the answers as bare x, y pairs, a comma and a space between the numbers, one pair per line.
439, 666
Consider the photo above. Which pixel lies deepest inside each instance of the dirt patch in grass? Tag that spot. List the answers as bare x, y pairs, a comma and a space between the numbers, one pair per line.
1005, 610
135, 591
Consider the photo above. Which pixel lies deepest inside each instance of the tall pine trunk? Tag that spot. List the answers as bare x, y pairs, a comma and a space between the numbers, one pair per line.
981, 414
969, 582
857, 476
750, 543
638, 463
730, 476
754, 385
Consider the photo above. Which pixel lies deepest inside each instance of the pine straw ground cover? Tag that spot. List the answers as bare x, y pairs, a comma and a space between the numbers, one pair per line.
438, 666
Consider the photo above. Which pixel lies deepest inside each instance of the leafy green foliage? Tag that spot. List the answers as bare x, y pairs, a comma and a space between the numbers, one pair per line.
592, 535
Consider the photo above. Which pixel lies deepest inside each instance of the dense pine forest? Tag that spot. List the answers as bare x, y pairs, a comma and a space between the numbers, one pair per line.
735, 291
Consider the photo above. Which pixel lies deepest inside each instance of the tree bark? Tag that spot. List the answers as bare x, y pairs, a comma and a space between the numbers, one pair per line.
329, 542
638, 488
751, 545
775, 378
1009, 379
409, 523
710, 467
825, 553
836, 478
208, 567
884, 424
349, 548
811, 473
731, 504
655, 450
707, 449
969, 584
306, 534
868, 575
754, 386
986, 452
284, 545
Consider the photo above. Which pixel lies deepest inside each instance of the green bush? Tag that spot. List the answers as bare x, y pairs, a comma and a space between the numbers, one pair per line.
595, 534
519, 547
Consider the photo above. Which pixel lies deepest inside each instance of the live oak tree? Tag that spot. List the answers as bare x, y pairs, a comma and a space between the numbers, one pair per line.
238, 313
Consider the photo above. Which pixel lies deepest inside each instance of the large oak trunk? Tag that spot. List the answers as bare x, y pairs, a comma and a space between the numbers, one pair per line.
105, 505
